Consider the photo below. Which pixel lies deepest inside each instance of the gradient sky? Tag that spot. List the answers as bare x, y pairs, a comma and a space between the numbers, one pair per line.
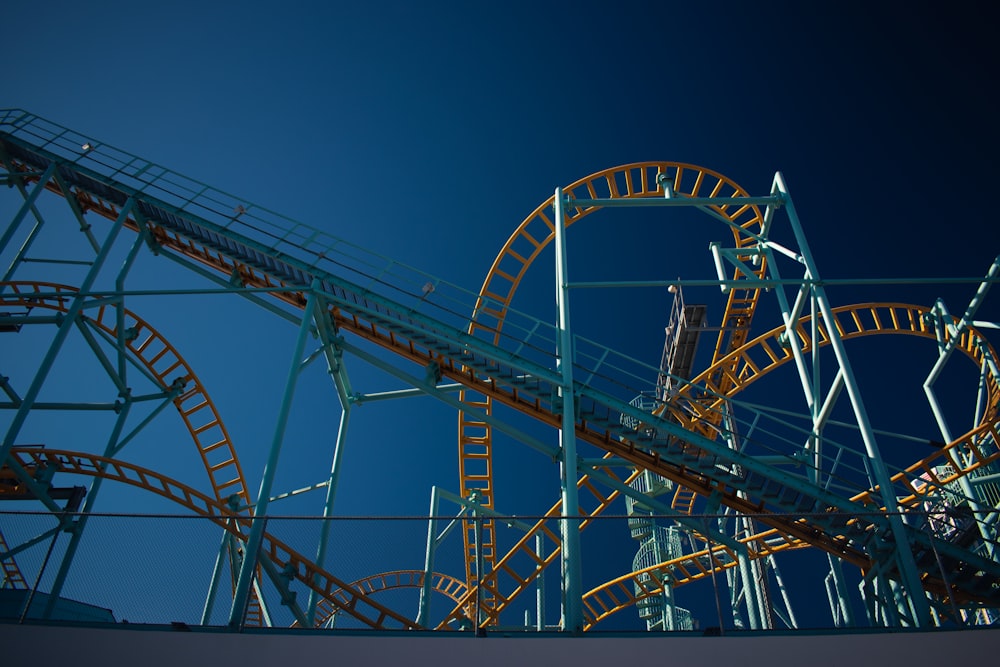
428, 131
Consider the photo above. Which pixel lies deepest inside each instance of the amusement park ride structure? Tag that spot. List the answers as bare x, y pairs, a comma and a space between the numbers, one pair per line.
715, 488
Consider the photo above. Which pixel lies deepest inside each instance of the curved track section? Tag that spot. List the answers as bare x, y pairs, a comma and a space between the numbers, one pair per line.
743, 366
170, 371
532, 236
758, 358
346, 597
446, 585
751, 362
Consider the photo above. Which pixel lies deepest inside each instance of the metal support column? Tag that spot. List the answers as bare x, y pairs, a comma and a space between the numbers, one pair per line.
68, 323
28, 205
255, 538
572, 579
912, 589
331, 492
423, 609
81, 522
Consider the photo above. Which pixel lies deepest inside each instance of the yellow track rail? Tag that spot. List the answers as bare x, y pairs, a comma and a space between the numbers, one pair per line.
12, 577
447, 585
346, 597
640, 179
749, 363
760, 357
159, 357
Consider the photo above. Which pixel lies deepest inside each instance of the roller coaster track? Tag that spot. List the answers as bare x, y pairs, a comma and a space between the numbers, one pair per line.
962, 456
448, 586
532, 236
172, 374
168, 369
12, 577
749, 363
795, 510
347, 598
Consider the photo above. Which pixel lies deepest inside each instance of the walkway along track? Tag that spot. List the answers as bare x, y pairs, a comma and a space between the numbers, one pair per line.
833, 523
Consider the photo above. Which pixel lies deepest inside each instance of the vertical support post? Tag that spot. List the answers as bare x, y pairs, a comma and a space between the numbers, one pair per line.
60, 337
669, 613
572, 578
792, 622
81, 522
912, 589
256, 536
540, 585
113, 442
38, 579
423, 610
750, 592
213, 585
331, 492
955, 332
478, 532
120, 306
29, 203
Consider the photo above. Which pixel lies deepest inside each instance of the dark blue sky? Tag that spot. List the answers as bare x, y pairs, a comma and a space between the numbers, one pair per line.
428, 131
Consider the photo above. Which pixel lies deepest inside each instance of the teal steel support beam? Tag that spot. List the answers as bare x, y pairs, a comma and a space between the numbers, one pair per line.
751, 596
572, 574
540, 585
281, 580
213, 584
27, 544
912, 589
358, 399
74, 206
331, 493
120, 340
423, 607
116, 374
81, 521
955, 332
446, 398
63, 331
790, 619
167, 400
256, 535
28, 205
477, 531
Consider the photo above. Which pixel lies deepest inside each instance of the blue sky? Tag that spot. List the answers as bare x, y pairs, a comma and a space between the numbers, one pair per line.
428, 131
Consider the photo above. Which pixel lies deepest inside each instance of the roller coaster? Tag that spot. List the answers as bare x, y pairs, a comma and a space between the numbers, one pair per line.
713, 485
